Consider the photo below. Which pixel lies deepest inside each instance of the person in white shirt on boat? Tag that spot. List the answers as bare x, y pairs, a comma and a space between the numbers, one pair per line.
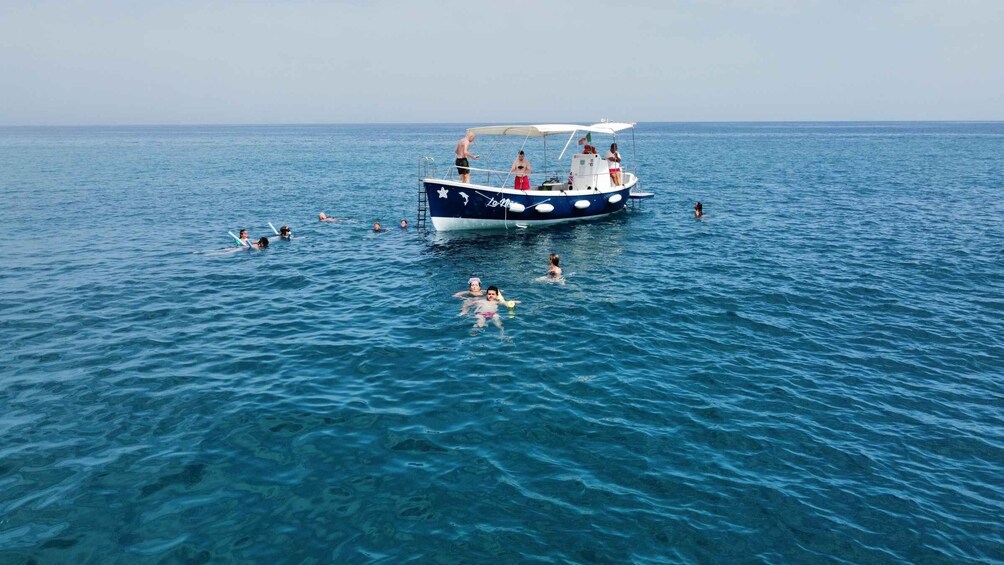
521, 168
614, 160
463, 151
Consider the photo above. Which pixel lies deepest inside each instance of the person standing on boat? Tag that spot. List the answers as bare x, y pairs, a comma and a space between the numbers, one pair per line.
463, 151
521, 168
614, 160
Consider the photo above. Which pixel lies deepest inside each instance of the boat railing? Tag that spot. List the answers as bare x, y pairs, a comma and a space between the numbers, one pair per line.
501, 175
427, 169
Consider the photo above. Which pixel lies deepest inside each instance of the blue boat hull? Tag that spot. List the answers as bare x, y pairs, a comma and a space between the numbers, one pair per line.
459, 206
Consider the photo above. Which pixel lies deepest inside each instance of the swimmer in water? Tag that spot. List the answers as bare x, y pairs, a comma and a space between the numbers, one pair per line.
698, 210
260, 244
553, 270
488, 309
377, 228
404, 225
470, 296
325, 218
244, 239
285, 232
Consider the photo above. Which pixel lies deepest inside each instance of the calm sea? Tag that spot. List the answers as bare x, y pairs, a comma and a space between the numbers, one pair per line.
812, 373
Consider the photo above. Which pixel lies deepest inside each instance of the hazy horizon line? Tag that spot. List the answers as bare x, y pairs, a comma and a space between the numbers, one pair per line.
419, 123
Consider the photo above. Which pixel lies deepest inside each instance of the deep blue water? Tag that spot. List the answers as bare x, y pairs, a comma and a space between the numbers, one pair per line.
812, 373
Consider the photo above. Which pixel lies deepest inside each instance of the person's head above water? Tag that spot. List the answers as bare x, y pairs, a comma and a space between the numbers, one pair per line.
404, 224
262, 243
285, 232
553, 259
321, 216
492, 293
244, 234
474, 283
376, 226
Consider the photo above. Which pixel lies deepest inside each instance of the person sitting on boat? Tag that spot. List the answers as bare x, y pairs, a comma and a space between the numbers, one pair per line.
521, 168
463, 151
614, 159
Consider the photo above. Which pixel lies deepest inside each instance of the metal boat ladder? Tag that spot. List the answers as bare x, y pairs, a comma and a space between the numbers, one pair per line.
425, 165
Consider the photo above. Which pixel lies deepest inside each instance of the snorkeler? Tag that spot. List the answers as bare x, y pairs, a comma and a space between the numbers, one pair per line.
285, 232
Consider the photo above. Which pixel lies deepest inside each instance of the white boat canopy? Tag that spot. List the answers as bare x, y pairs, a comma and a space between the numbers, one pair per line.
542, 130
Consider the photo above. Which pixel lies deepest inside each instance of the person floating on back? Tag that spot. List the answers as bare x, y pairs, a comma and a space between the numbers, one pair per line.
488, 309
325, 218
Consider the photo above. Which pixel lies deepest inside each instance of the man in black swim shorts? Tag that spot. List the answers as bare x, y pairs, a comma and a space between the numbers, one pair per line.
463, 151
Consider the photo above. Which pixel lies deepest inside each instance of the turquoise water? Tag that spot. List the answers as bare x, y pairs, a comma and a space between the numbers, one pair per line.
812, 373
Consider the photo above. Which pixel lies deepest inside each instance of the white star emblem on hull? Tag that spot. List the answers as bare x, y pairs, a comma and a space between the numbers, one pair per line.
443, 192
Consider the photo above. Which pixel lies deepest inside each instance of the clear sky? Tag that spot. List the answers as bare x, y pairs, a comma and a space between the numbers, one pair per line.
253, 62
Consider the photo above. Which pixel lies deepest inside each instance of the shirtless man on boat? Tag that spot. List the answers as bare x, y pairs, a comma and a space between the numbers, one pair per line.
463, 151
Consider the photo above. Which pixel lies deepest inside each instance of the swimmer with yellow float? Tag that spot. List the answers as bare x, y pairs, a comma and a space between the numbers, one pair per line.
485, 309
